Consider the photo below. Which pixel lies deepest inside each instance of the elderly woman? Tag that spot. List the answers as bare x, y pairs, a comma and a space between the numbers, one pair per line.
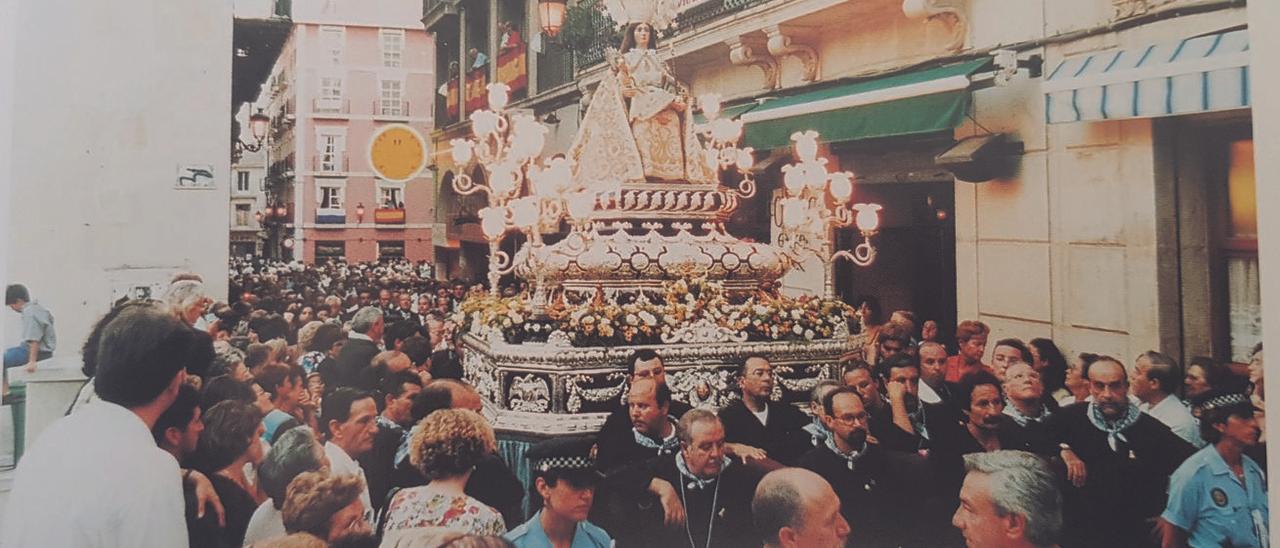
326, 506
295, 452
445, 448
229, 443
187, 301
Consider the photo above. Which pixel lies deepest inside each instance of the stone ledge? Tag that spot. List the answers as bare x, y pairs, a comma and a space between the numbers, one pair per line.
59, 368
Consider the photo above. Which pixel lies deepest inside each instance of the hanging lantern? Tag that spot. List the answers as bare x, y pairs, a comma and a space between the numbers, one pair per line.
551, 13
258, 125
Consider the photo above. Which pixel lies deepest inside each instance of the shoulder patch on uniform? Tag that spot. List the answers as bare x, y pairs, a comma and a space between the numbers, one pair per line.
1219, 497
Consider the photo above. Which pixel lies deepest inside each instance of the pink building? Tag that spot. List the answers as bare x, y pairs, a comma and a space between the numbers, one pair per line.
349, 69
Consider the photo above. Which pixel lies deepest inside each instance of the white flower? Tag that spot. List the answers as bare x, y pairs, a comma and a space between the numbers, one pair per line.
808, 334
515, 317
760, 309
797, 329
755, 322
648, 318
632, 319
795, 314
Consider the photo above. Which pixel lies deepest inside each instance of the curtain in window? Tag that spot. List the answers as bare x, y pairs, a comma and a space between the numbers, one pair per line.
1245, 306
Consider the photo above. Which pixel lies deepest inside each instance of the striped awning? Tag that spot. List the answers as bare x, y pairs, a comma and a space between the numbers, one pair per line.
1199, 74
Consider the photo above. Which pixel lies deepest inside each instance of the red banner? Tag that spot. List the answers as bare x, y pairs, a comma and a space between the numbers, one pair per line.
451, 100
513, 69
477, 96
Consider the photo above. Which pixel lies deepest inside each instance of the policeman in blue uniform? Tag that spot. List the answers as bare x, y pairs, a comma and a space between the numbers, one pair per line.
565, 477
1218, 496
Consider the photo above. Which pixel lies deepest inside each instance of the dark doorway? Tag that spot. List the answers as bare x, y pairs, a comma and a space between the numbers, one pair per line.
915, 264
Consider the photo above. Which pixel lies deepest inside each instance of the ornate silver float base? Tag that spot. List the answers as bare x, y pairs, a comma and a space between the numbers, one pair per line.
548, 389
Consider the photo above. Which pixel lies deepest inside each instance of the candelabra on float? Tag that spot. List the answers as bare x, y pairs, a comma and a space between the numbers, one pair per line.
816, 202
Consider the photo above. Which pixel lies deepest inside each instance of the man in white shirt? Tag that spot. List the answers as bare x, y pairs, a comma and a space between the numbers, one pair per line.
349, 417
96, 477
1154, 377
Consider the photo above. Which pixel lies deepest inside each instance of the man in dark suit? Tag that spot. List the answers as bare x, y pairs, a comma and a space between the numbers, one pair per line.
880, 490
755, 421
642, 364
366, 328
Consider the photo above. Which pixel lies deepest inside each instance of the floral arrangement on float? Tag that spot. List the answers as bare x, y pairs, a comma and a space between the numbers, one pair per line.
642, 318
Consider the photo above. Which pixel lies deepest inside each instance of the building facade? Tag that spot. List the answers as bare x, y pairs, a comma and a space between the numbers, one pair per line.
1037, 172
110, 193
349, 70
248, 196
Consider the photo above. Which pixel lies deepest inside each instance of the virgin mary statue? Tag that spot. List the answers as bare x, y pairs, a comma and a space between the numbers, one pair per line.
637, 126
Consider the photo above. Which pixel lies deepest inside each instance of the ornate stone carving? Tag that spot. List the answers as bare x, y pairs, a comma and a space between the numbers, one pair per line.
483, 376
743, 54
701, 387
954, 11
597, 377
780, 45
529, 393
577, 393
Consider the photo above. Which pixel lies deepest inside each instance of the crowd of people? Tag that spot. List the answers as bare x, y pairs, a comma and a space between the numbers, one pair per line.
326, 406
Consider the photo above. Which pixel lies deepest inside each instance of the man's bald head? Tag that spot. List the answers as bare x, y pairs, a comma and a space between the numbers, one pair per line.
462, 395
445, 394
796, 507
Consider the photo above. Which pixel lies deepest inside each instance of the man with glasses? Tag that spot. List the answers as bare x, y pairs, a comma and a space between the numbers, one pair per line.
878, 489
756, 422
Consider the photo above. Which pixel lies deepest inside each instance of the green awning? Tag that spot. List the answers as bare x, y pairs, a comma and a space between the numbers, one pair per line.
925, 101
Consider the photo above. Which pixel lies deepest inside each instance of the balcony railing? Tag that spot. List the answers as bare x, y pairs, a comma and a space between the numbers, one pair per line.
711, 10
698, 14
326, 105
388, 216
335, 164
391, 109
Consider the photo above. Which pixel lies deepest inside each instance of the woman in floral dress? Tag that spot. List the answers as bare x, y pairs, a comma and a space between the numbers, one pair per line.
445, 448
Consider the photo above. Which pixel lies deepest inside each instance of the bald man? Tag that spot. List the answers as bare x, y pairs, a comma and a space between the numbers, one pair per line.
794, 508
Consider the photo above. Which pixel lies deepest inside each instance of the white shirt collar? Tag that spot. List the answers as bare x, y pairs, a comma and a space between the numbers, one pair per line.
361, 336
927, 395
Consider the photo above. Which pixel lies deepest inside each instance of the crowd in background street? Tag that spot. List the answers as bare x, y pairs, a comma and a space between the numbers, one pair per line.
328, 405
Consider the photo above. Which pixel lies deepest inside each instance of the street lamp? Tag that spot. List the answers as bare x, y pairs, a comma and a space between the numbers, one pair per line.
551, 14
360, 212
258, 123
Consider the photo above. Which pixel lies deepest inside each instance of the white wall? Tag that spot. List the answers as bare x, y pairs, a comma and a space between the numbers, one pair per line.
109, 99
1266, 135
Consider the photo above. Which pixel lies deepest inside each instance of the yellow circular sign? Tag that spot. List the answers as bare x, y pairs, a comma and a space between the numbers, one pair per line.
397, 152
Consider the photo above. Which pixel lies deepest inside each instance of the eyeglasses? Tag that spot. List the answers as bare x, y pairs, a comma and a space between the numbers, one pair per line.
852, 419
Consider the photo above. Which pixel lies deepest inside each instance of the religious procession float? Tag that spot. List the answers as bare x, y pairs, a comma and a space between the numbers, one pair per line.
624, 247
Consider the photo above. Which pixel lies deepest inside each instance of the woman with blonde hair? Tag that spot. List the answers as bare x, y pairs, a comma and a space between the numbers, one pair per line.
446, 447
